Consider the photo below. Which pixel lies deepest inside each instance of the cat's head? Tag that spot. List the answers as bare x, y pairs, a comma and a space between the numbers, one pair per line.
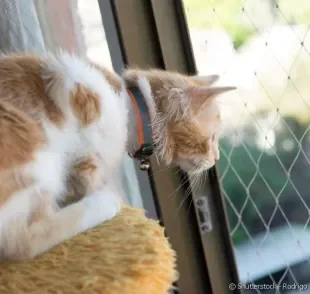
187, 121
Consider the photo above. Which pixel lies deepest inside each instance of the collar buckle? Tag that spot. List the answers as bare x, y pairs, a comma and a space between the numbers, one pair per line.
143, 154
145, 150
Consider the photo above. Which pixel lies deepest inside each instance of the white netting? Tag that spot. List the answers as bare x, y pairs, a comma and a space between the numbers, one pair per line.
263, 48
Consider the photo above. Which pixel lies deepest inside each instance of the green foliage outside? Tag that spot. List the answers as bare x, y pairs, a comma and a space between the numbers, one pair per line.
229, 15
200, 15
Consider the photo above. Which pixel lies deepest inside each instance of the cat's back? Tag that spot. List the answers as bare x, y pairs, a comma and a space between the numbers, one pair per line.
66, 102
22, 86
25, 81
62, 91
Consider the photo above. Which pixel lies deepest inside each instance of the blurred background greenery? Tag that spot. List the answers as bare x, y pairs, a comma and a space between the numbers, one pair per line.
201, 15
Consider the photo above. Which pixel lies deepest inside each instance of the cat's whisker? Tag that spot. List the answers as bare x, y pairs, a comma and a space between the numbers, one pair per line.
157, 159
200, 181
177, 171
195, 182
179, 187
192, 182
189, 207
160, 170
188, 191
183, 201
206, 175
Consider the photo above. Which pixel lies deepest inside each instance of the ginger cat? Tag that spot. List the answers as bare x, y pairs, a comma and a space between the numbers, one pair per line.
66, 121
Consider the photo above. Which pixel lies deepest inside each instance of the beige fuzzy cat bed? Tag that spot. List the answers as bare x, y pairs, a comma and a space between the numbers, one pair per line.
127, 255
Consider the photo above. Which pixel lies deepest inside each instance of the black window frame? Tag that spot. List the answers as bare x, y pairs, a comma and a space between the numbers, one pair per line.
154, 33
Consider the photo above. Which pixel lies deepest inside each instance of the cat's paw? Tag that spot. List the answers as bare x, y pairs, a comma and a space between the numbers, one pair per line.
100, 206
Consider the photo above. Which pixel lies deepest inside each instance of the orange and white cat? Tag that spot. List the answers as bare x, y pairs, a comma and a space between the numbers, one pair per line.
65, 123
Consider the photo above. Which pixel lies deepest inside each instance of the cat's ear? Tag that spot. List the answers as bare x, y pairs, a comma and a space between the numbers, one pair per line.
207, 80
199, 96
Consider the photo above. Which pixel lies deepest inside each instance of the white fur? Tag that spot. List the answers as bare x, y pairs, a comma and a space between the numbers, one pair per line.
98, 210
107, 137
92, 210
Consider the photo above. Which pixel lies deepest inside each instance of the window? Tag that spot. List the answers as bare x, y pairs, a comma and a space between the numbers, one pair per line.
263, 48
154, 34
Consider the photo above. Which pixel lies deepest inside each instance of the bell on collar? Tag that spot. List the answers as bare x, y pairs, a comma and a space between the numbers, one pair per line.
144, 164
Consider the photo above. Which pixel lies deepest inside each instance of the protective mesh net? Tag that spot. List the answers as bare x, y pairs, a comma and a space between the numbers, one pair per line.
263, 48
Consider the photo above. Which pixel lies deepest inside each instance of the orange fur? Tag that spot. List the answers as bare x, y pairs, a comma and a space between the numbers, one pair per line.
20, 137
85, 105
12, 182
188, 138
85, 178
22, 86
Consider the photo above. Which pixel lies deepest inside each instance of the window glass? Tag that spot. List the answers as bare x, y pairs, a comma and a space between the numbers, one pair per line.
263, 48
